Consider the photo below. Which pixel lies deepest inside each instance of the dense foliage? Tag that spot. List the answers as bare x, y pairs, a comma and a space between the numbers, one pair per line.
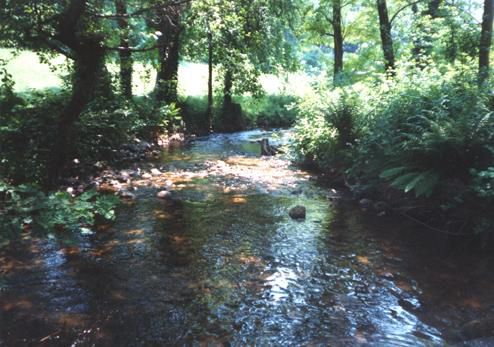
429, 133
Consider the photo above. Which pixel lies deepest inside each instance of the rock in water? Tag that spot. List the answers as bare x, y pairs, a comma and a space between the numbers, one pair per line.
146, 176
155, 172
165, 195
297, 212
125, 194
366, 204
267, 149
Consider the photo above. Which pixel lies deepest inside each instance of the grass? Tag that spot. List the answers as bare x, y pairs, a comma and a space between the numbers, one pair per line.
30, 73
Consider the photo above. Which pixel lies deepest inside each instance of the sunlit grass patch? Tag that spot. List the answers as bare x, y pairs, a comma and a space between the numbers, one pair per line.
28, 71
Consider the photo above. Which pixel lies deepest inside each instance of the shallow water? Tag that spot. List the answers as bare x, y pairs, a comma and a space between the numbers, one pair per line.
224, 264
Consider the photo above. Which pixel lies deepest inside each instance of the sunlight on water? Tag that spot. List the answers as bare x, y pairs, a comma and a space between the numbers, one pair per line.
222, 262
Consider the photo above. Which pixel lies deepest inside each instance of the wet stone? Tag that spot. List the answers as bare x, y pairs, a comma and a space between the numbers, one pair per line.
164, 194
155, 172
297, 212
365, 204
125, 194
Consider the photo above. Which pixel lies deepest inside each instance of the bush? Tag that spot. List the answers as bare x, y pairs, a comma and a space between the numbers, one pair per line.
194, 110
269, 111
328, 128
25, 206
28, 125
430, 133
427, 132
27, 128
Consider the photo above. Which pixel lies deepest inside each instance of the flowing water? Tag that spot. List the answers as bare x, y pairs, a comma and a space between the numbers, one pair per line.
223, 264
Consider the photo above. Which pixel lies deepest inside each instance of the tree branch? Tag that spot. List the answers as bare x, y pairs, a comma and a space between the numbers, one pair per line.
402, 9
141, 11
328, 18
131, 49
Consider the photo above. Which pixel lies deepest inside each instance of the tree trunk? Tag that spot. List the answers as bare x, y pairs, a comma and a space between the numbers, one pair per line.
231, 112
126, 61
386, 38
169, 55
433, 8
418, 50
88, 64
485, 41
227, 91
338, 41
167, 78
422, 44
209, 111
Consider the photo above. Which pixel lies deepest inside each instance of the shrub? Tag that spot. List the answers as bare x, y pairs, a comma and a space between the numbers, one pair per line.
269, 111
194, 110
427, 132
328, 128
28, 125
25, 206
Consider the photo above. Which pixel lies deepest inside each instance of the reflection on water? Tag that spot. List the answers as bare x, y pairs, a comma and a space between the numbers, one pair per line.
223, 263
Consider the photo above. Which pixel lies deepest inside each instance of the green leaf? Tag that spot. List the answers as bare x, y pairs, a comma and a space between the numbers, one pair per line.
427, 185
413, 183
392, 172
402, 181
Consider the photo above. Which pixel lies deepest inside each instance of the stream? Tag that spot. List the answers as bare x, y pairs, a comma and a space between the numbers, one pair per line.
222, 263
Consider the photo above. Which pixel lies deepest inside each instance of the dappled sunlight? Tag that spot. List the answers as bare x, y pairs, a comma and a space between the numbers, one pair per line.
249, 259
222, 251
8, 264
279, 283
238, 199
136, 232
363, 260
72, 320
23, 304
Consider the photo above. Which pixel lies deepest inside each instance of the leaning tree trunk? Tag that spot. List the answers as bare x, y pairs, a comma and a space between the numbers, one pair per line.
126, 61
386, 38
338, 41
485, 41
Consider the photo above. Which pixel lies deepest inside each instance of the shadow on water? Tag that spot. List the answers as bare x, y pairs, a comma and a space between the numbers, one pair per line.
223, 263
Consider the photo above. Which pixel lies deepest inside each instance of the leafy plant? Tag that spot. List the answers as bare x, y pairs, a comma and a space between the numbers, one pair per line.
27, 206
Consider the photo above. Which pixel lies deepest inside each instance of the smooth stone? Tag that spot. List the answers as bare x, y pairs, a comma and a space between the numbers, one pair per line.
155, 172
147, 176
127, 195
297, 212
366, 204
164, 194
